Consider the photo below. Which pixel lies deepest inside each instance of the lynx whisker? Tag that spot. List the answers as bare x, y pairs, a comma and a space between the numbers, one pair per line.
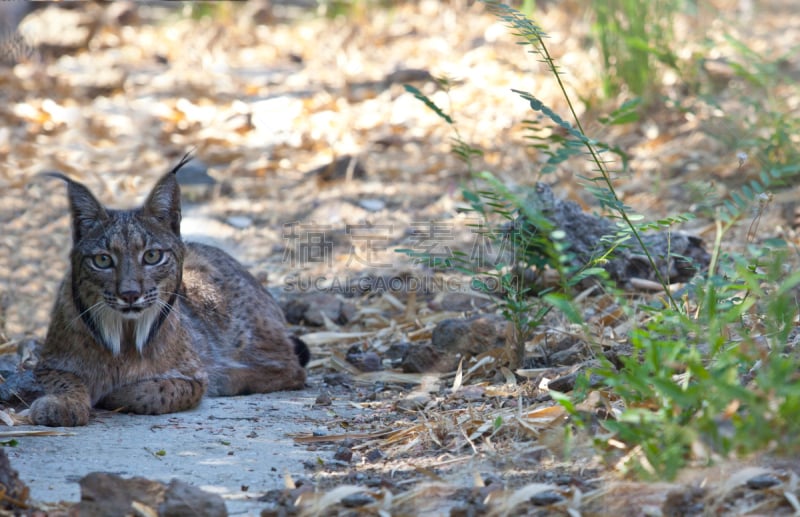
89, 310
163, 307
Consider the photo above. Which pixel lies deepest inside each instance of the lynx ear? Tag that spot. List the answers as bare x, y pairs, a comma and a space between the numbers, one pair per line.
86, 210
164, 201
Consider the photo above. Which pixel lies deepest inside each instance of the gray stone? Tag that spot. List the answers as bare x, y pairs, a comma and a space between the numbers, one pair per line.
183, 499
104, 494
678, 256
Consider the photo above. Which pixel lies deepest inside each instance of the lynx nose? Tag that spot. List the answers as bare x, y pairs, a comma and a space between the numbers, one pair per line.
129, 297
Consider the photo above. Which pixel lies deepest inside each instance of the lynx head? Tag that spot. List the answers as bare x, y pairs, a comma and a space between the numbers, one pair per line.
126, 264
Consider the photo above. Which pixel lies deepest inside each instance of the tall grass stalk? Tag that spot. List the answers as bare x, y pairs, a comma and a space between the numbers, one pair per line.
635, 37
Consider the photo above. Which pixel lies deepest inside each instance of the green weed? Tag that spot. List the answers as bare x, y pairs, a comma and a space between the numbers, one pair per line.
712, 373
636, 38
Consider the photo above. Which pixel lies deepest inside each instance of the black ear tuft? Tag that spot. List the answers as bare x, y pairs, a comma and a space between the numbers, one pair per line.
86, 210
186, 159
164, 201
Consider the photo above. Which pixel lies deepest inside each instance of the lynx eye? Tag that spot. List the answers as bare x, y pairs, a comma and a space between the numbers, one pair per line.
102, 261
152, 257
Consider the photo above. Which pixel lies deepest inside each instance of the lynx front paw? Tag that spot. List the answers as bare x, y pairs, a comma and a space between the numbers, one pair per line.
55, 411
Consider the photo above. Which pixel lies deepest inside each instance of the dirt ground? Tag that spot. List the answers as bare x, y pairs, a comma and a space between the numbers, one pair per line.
313, 165
238, 447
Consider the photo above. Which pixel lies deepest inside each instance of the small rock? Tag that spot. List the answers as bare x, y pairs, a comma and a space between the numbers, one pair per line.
396, 353
312, 464
370, 362
546, 498
372, 205
373, 455
323, 399
762, 481
469, 337
424, 358
409, 75
108, 494
562, 479
343, 454
183, 499
20, 388
239, 221
336, 379
357, 500
364, 360
309, 308
453, 339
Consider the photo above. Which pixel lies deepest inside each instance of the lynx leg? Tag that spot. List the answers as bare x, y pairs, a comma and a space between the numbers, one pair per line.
67, 402
245, 380
156, 396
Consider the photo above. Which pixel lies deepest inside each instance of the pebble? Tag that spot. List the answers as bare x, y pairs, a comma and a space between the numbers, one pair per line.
356, 500
546, 498
364, 360
343, 454
323, 399
373, 455
239, 221
372, 205
762, 481
308, 308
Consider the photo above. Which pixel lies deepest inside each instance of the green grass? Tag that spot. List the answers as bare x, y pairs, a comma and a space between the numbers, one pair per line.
636, 40
711, 373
